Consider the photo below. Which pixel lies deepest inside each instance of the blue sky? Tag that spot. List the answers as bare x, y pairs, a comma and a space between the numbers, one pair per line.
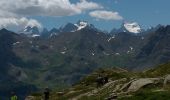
145, 12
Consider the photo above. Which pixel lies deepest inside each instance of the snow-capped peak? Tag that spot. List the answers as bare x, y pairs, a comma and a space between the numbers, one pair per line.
31, 31
81, 24
132, 27
27, 29
69, 27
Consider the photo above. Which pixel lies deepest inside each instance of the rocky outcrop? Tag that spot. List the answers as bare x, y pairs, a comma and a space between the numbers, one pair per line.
122, 87
136, 85
166, 80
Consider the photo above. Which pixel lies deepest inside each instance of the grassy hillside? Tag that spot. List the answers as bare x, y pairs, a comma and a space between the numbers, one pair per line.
87, 89
160, 70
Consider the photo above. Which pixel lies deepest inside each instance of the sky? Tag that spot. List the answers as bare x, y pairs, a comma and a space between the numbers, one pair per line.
104, 14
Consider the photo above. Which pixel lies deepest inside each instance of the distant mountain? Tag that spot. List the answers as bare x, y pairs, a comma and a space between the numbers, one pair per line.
153, 29
11, 71
131, 27
84, 24
156, 50
81, 24
6, 41
45, 33
69, 27
53, 32
127, 43
84, 42
30, 31
50, 33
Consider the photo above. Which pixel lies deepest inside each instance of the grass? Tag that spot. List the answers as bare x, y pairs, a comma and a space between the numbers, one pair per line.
158, 71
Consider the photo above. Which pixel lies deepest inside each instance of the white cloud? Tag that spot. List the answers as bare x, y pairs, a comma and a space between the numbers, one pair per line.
86, 5
105, 15
14, 12
47, 7
12, 22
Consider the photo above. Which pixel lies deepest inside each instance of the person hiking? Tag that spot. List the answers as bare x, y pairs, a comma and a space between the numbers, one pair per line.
46, 94
105, 79
13, 96
99, 81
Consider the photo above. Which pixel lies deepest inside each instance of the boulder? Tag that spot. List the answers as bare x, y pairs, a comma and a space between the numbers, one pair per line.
166, 80
126, 86
137, 84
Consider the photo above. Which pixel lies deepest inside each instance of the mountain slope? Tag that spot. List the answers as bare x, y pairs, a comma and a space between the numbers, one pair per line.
69, 56
11, 73
157, 49
127, 43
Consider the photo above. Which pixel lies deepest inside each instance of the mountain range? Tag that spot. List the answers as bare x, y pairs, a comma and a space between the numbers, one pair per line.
129, 27
60, 57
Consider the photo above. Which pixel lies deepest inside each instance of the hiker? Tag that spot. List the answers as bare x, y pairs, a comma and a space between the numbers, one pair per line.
99, 81
13, 96
105, 79
46, 94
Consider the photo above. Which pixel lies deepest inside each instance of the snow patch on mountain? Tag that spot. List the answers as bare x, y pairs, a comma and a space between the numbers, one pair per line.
63, 52
131, 48
81, 25
53, 35
132, 27
35, 35
111, 38
117, 54
93, 54
16, 43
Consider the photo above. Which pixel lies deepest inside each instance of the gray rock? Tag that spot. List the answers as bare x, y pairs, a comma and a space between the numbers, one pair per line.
126, 86
136, 85
166, 80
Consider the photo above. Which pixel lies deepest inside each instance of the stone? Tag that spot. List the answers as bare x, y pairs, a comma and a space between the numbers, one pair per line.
166, 80
136, 85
